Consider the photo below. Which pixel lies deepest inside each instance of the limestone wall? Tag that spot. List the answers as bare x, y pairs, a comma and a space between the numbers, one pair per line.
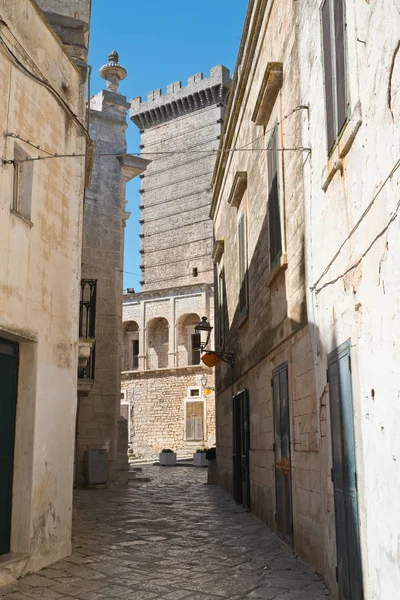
158, 419
40, 246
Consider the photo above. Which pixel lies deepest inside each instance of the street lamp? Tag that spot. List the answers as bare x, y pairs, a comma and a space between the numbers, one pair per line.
204, 330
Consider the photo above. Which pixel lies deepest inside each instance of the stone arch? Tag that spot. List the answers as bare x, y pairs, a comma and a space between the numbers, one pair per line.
186, 340
131, 349
157, 343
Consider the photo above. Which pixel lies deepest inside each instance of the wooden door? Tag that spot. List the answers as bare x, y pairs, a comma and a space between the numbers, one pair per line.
283, 487
344, 474
241, 448
8, 405
195, 421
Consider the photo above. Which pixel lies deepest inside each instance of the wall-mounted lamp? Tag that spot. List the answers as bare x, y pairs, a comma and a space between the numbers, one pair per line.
204, 330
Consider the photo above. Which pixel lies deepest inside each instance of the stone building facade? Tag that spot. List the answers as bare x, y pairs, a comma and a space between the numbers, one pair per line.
99, 425
42, 113
306, 239
167, 392
272, 426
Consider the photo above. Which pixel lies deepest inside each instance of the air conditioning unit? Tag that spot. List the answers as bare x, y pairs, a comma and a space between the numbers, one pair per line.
96, 467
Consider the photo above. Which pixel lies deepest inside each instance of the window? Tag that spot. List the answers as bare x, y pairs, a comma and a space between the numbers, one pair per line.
194, 392
336, 96
195, 349
274, 216
135, 354
22, 183
242, 240
221, 308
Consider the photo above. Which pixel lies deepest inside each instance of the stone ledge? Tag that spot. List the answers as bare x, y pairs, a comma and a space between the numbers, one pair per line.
187, 370
281, 266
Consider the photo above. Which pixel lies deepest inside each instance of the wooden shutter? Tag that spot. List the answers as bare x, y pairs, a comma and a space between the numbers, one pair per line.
221, 309
195, 349
328, 68
195, 421
341, 96
242, 264
135, 350
275, 236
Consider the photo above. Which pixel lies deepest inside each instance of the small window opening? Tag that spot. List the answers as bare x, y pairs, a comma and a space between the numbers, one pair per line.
195, 272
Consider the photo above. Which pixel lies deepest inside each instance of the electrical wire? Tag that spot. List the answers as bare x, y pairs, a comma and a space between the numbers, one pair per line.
178, 277
356, 226
376, 238
243, 148
44, 83
18, 137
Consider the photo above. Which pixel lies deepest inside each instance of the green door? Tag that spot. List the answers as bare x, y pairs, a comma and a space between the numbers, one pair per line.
8, 404
344, 475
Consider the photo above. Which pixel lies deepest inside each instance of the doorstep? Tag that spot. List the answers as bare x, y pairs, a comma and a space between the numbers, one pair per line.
12, 566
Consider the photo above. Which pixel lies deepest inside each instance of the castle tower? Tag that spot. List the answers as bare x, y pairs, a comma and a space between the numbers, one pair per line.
166, 390
185, 124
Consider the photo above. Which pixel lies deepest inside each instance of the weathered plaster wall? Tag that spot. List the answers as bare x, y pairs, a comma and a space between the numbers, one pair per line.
39, 278
363, 303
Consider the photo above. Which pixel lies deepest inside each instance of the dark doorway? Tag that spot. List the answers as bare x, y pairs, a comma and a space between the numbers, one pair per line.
344, 474
283, 483
8, 405
241, 449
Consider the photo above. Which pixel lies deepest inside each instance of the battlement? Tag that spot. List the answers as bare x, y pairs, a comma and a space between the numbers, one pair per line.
199, 93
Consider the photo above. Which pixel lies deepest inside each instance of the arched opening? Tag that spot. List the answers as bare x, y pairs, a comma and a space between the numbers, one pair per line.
188, 342
157, 343
130, 357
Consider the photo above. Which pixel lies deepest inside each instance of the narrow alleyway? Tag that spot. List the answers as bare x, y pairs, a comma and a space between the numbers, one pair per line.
170, 538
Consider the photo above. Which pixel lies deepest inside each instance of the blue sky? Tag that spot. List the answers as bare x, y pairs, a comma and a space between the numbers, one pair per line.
160, 42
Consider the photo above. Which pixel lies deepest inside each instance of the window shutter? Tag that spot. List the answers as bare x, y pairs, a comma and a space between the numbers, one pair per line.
275, 236
195, 349
328, 68
341, 96
135, 351
221, 309
242, 265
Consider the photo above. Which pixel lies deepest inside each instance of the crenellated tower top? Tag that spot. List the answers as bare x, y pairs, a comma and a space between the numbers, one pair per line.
199, 93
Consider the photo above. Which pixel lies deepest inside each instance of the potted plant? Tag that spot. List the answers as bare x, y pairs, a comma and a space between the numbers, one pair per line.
167, 458
199, 458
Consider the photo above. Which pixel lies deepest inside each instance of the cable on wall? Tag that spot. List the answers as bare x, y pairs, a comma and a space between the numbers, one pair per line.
356, 226
44, 83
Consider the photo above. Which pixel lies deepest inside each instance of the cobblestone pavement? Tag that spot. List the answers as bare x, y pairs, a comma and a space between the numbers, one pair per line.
171, 538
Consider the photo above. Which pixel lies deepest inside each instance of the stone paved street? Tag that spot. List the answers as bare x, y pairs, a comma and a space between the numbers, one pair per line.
171, 538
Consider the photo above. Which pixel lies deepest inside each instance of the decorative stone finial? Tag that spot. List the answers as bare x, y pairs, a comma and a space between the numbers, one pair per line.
113, 72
